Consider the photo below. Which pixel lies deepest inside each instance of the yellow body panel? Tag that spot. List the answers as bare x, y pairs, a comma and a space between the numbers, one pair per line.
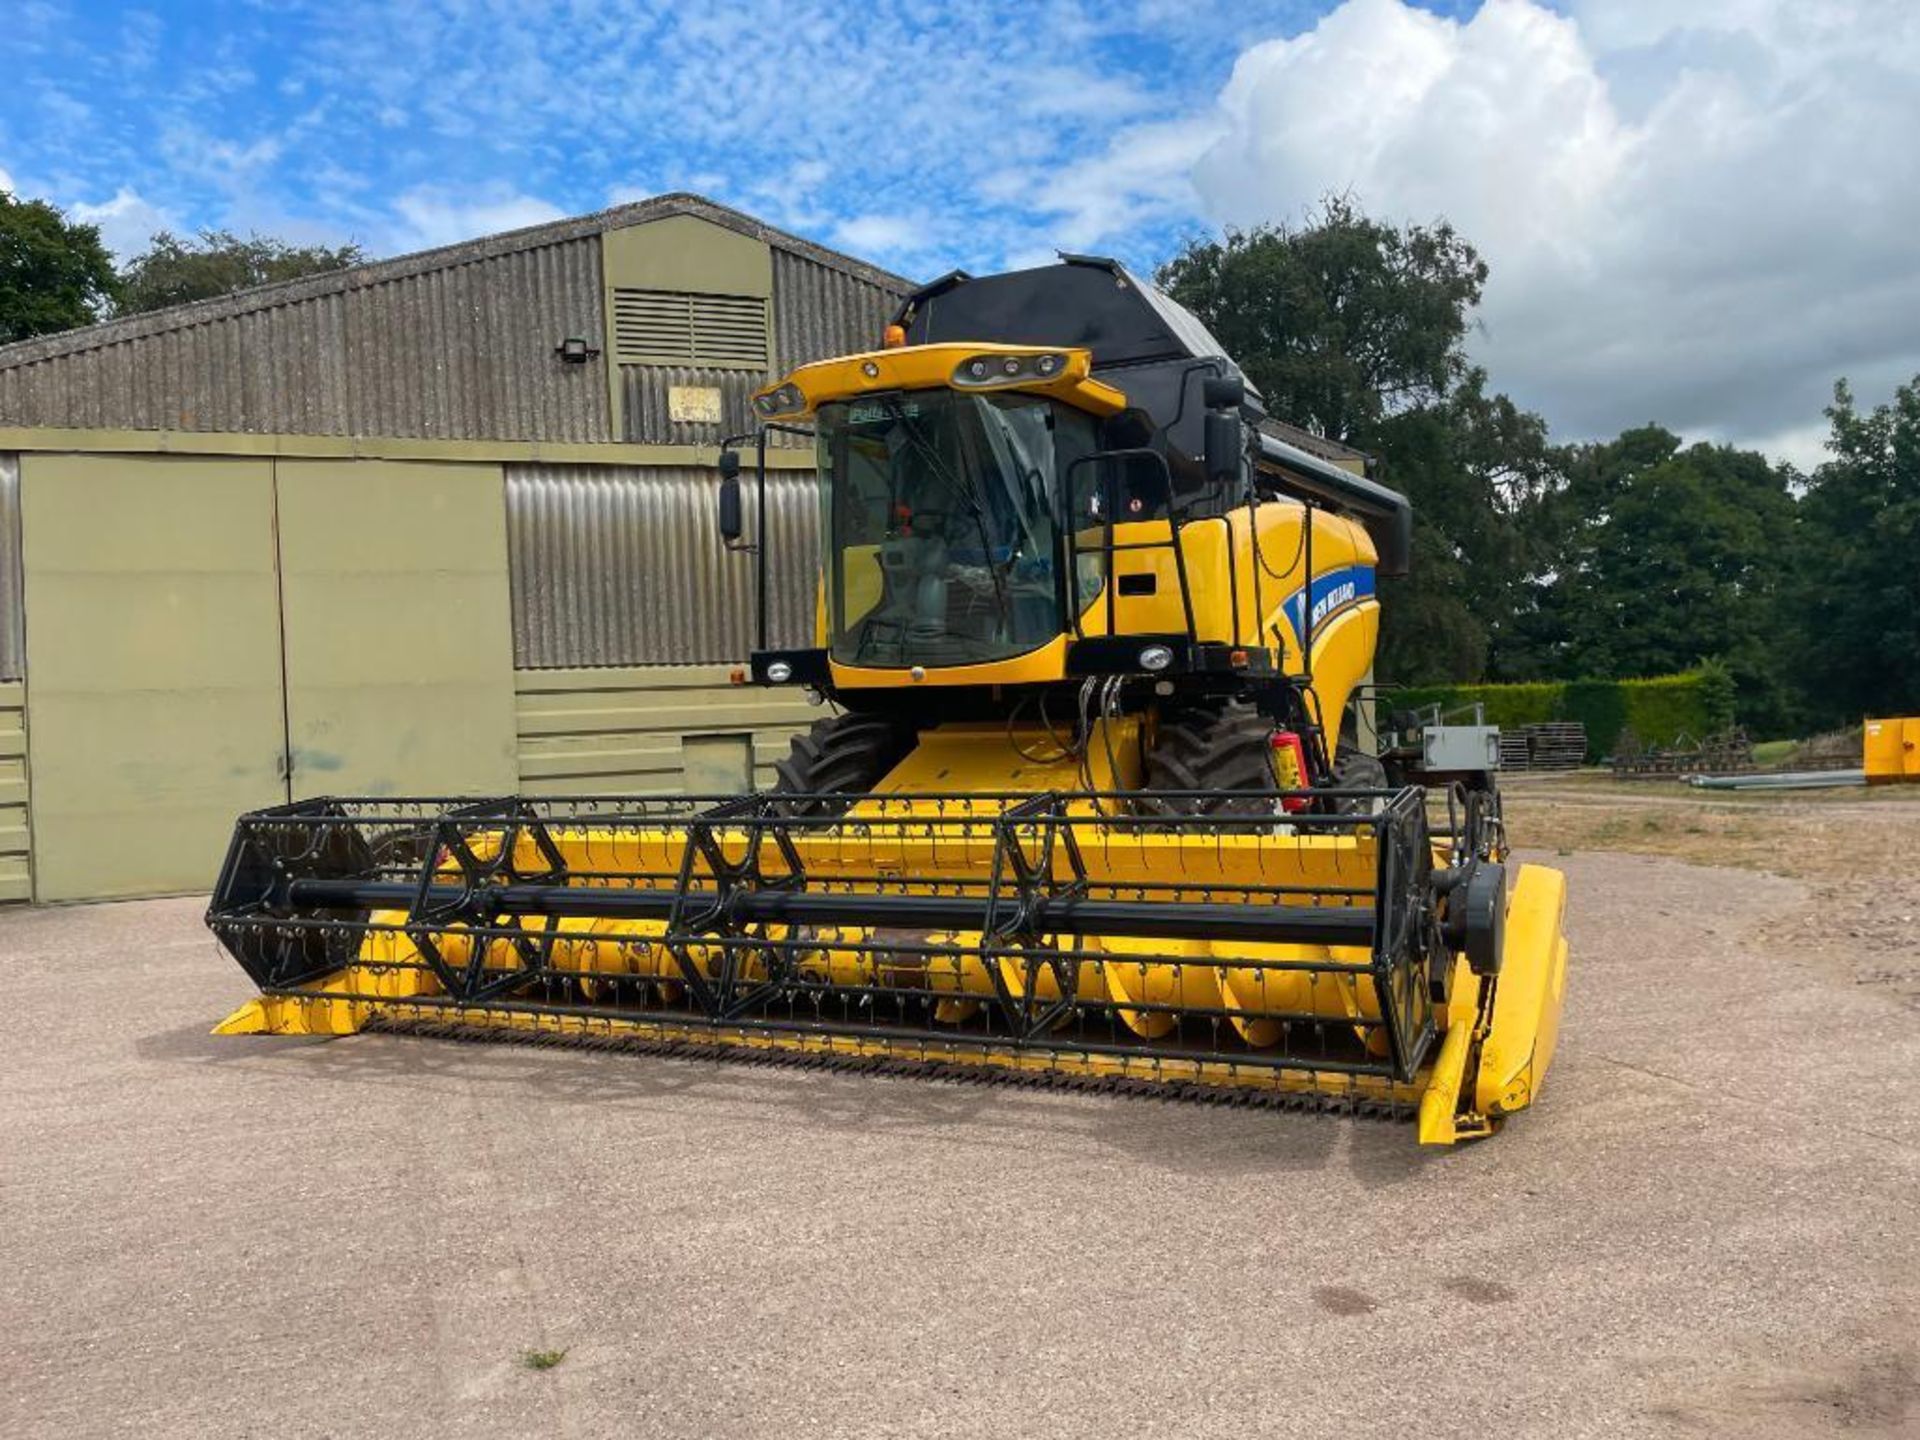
1892, 750
1526, 1012
1049, 662
1242, 597
976, 759
927, 367
1440, 1101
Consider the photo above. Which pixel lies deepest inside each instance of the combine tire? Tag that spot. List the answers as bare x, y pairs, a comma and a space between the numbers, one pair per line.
841, 755
1357, 770
1226, 748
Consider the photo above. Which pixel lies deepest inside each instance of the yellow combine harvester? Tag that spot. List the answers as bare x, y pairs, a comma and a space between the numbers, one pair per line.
1094, 806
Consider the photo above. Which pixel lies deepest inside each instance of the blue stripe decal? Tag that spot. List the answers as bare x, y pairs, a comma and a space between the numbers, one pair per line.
1332, 593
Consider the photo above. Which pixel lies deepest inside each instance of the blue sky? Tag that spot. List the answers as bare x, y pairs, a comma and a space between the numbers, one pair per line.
922, 134
1696, 213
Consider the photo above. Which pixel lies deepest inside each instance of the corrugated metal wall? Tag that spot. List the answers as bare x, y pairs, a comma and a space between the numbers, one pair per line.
619, 565
454, 345
635, 731
820, 311
459, 352
647, 419
13, 628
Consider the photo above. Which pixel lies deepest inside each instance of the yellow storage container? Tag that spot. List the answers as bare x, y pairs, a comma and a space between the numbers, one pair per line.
1893, 750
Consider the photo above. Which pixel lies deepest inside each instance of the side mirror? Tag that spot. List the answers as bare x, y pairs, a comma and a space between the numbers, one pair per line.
1223, 392
1226, 443
732, 526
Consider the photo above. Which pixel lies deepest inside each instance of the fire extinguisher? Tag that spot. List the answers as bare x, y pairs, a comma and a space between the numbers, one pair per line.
1290, 763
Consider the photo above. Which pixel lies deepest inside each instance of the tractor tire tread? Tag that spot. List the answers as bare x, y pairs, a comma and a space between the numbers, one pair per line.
841, 755
1225, 748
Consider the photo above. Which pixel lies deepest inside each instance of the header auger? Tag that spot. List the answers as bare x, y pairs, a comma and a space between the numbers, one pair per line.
1095, 808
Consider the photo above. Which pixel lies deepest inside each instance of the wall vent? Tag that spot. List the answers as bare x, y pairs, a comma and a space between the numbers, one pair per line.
666, 327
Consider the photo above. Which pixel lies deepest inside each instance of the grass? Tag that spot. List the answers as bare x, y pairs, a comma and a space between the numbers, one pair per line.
542, 1359
1797, 836
1772, 752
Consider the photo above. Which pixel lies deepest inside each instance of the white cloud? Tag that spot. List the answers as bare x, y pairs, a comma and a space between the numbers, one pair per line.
1698, 214
1143, 178
809, 133
430, 215
1802, 446
127, 222
871, 234
6, 182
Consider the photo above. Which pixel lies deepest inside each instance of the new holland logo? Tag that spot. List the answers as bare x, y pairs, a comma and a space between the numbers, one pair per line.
1341, 594
1331, 594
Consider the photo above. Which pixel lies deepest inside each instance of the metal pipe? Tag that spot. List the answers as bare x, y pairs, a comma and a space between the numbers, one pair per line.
1387, 514
1054, 914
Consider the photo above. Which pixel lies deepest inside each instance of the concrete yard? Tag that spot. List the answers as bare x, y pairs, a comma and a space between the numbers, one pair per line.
1707, 1227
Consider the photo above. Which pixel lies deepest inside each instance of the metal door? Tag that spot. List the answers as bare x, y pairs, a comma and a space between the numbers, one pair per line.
153, 665
399, 650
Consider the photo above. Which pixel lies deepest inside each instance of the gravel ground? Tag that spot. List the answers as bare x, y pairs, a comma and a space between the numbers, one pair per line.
1706, 1227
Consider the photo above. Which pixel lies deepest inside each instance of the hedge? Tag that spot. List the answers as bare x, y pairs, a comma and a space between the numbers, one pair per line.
1659, 710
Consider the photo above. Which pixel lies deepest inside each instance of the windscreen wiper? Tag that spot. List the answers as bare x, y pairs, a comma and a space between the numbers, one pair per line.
963, 488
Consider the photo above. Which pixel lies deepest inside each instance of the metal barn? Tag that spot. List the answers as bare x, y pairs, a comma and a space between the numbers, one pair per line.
439, 524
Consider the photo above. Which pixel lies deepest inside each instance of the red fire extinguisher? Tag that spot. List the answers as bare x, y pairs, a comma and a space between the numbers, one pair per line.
1290, 763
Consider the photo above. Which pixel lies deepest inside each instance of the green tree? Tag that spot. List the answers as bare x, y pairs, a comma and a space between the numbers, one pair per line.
54, 274
1340, 322
1662, 557
1856, 594
173, 271
1357, 329
1473, 464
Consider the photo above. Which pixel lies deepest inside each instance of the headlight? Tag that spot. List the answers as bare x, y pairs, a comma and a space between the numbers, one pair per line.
779, 672
982, 370
782, 400
1156, 657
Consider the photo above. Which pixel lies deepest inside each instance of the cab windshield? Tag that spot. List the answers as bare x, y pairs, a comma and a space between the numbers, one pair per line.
941, 545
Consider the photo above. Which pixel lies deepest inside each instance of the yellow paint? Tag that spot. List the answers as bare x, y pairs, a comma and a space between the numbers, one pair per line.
1892, 750
929, 367
1248, 613
1533, 979
390, 982
336, 1016
862, 583
976, 759
1048, 662
932, 827
1441, 1098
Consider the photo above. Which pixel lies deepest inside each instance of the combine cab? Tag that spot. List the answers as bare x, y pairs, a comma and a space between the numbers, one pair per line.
1092, 809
